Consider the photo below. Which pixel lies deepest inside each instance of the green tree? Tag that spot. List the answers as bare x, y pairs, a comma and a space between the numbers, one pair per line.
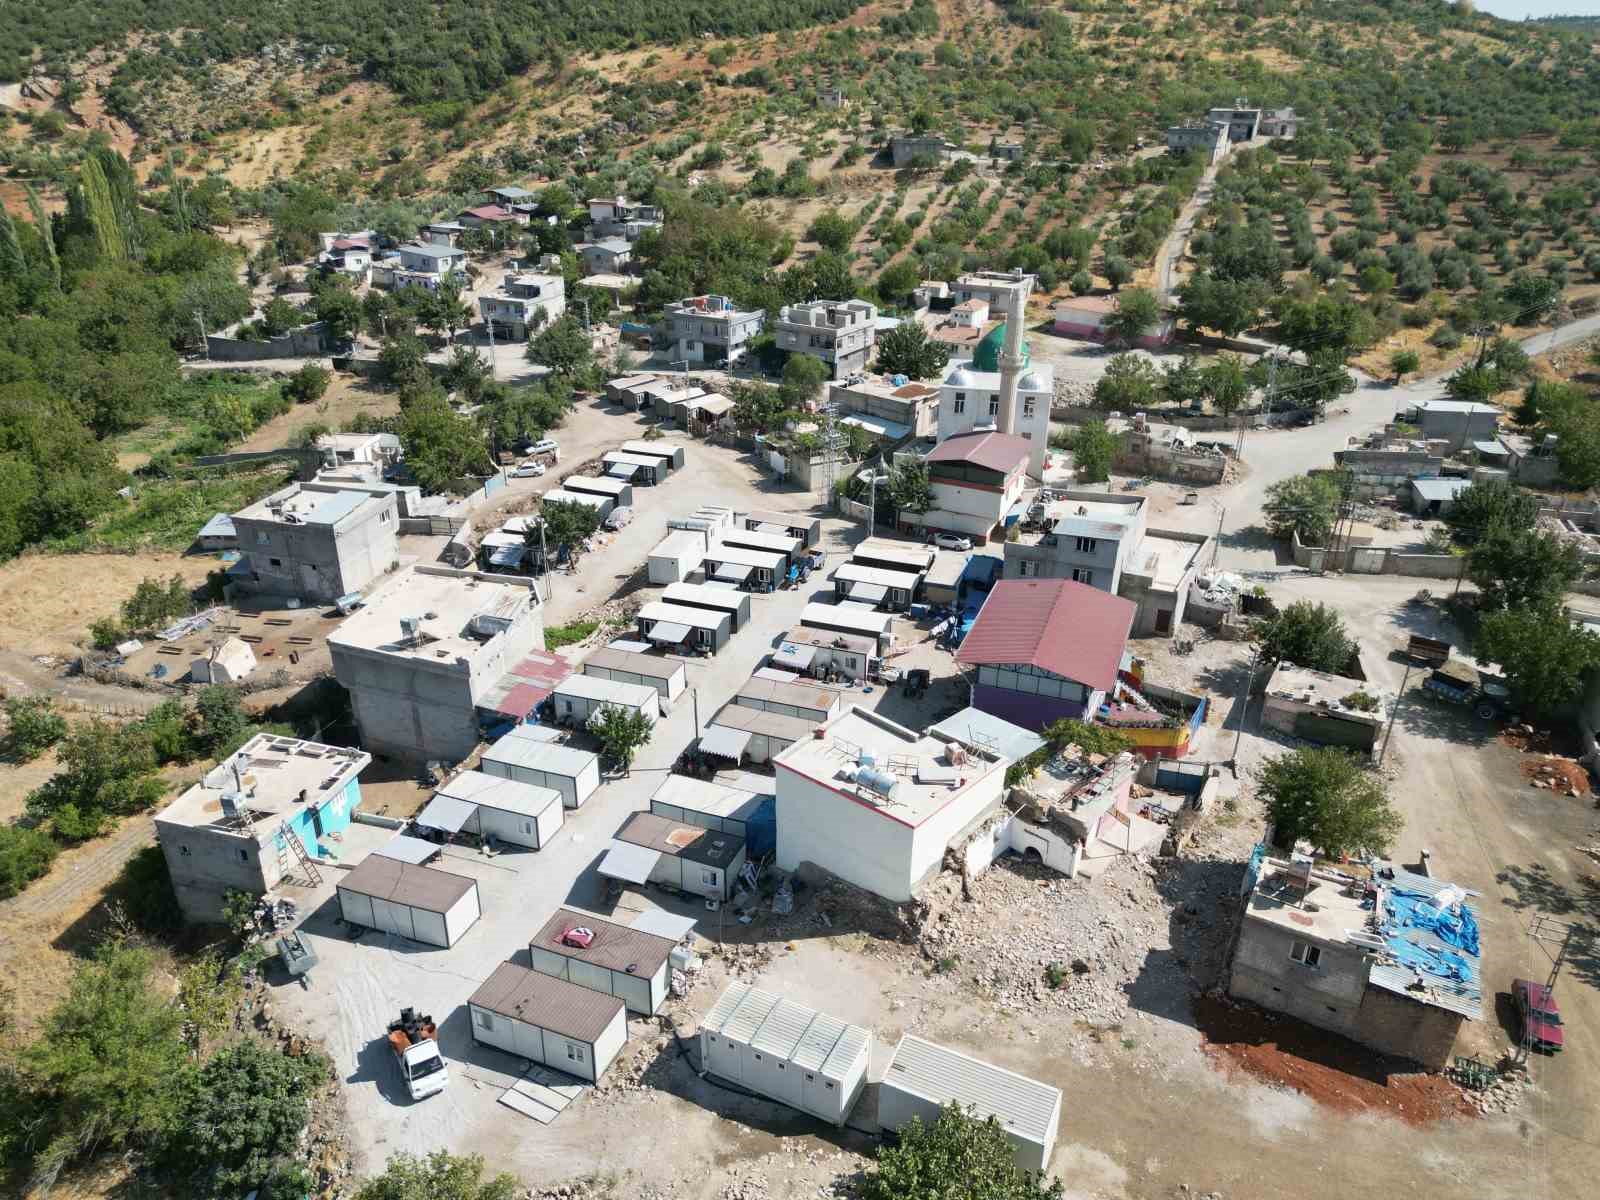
1137, 311
1117, 270
339, 310
155, 604
309, 384
1225, 384
1081, 283
568, 523
106, 772
440, 445
1546, 658
909, 488
758, 408
440, 1176
898, 280
1303, 504
1129, 383
402, 358
1326, 796
1519, 569
32, 726
563, 346
959, 1156
831, 230
1308, 635
620, 732
908, 350
803, 379
1226, 305
1490, 504
1403, 363
1093, 448
221, 725
25, 854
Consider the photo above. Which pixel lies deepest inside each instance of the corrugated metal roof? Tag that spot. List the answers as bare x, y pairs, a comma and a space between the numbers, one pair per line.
821, 1036
679, 614
856, 572
796, 695
1440, 489
857, 620
1023, 1106
402, 883
811, 1040
747, 1018
563, 1008
727, 1004
781, 1032
1465, 999
1057, 625
447, 813
975, 728
503, 795
615, 947
999, 452
629, 863
724, 742
608, 691
650, 666
855, 1040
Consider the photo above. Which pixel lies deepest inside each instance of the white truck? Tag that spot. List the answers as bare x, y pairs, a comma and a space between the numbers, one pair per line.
415, 1043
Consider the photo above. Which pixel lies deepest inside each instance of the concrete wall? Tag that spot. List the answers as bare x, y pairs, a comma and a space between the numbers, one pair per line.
319, 562
1328, 996
1395, 1025
1376, 560
306, 342
819, 825
1139, 454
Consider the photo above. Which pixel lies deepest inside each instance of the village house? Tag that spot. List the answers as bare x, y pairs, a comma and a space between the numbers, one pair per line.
1087, 317
839, 333
906, 150
976, 480
523, 304
429, 265
891, 409
710, 329
314, 545
607, 256
619, 217
490, 214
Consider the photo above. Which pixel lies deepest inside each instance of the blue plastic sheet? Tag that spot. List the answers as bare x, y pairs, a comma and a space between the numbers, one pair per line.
1454, 926
1440, 963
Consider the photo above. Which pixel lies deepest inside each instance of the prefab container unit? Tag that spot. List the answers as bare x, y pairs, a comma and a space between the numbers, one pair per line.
786, 1052
574, 773
421, 903
601, 504
714, 599
702, 862
923, 1078
579, 697
708, 805
620, 494
850, 619
807, 529
667, 676
645, 472
942, 584
893, 556
548, 1021
622, 962
677, 556
518, 813
808, 701
674, 625
623, 390
772, 543
672, 455
759, 569
893, 590
755, 735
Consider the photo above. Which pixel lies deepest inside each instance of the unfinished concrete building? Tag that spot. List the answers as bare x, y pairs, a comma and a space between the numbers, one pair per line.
314, 545
426, 648
256, 818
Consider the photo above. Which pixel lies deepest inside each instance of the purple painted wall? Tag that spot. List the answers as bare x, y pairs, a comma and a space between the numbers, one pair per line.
1030, 712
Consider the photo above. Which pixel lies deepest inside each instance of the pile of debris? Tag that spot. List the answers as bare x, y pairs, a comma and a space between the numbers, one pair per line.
1554, 773
1504, 1095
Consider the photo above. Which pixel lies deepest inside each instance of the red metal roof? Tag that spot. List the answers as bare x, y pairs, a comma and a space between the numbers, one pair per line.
1068, 628
1000, 452
490, 212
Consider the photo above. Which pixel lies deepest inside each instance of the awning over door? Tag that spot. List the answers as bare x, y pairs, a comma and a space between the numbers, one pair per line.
407, 849
629, 863
724, 742
732, 572
868, 593
664, 924
446, 813
668, 633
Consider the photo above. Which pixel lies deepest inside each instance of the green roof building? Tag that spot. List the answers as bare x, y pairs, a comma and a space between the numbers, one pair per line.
987, 355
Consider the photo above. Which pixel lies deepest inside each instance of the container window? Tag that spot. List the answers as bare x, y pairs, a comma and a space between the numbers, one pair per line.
485, 1020
574, 1053
829, 1086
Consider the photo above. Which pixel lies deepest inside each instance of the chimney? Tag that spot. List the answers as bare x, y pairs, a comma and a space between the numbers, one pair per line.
1011, 352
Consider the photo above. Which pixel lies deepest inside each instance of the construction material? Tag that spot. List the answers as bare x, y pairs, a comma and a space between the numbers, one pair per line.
414, 1042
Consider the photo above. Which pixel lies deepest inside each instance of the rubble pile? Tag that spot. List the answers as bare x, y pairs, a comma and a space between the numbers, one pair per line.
1504, 1095
1035, 940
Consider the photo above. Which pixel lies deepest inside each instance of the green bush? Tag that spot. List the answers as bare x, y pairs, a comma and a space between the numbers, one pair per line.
25, 854
569, 634
144, 892
33, 726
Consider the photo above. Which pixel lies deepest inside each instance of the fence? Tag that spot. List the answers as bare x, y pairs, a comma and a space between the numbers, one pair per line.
1375, 560
306, 342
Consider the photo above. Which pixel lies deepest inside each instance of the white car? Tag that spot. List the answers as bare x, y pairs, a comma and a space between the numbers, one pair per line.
952, 541
545, 446
528, 470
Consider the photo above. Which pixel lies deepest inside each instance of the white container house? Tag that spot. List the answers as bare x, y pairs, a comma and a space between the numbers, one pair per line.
522, 814
674, 627
683, 857
578, 697
786, 1052
601, 504
713, 598
923, 1078
548, 1021
809, 701
572, 772
626, 963
421, 903
668, 676
620, 494
677, 556
710, 805
850, 619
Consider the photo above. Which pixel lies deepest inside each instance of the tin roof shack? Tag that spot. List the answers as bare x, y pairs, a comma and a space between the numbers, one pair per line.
426, 648
1436, 497
1327, 709
421, 903
673, 456
521, 814
758, 570
877, 804
701, 862
579, 697
548, 1021
688, 630
523, 756
622, 962
1391, 961
230, 832
892, 591
786, 1052
634, 468
314, 546
523, 688
809, 701
218, 534
667, 676
678, 555
739, 732
825, 654
715, 599
922, 1078
807, 529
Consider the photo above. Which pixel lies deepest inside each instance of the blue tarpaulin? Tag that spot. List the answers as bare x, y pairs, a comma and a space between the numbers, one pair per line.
1440, 963
1453, 925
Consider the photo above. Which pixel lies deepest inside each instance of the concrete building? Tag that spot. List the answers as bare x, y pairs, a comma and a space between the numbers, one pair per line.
427, 264
970, 399
1278, 123
890, 409
1087, 317
1315, 707
1040, 651
255, 818
1391, 961
523, 304
709, 329
314, 545
425, 649
839, 333
908, 150
344, 451
1458, 423
619, 217
608, 256
977, 480
878, 804
1079, 806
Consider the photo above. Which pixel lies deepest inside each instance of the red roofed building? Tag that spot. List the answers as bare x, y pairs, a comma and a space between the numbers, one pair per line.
489, 214
977, 480
1044, 649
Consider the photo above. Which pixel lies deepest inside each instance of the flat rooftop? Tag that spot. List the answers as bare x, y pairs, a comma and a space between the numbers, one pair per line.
1166, 560
1097, 518
615, 947
457, 612
697, 795
693, 842
927, 780
275, 777
1320, 689
292, 506
1321, 910
827, 639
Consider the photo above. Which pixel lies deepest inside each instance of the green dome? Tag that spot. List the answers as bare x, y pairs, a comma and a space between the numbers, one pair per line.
987, 356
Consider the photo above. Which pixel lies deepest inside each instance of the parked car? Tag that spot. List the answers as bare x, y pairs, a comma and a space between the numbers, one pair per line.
528, 470
1538, 1016
952, 541
545, 446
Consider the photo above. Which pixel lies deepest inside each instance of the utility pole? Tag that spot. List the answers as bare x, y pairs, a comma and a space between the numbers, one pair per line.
544, 562
1216, 543
1244, 711
205, 344
1394, 712
694, 697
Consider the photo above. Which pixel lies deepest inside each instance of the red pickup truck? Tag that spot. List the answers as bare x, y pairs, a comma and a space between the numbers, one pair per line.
1538, 1015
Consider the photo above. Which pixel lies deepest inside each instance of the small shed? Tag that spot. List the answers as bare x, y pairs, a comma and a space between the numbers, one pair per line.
548, 1021
579, 697
738, 733
942, 584
218, 534
677, 556
521, 814
922, 1078
809, 701
626, 963
674, 626
714, 599
601, 504
619, 493
786, 1052
807, 529
229, 661
1436, 497
672, 456
668, 676
424, 904
702, 862
572, 772
758, 570
633, 468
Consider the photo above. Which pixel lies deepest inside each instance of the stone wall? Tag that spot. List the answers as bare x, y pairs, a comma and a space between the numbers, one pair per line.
1396, 1025
306, 342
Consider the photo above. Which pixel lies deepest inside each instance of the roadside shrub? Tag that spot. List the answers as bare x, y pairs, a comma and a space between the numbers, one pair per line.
308, 383
34, 726
569, 634
25, 854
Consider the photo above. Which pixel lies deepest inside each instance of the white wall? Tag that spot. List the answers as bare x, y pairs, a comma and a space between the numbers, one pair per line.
519, 829
463, 914
934, 835
816, 824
